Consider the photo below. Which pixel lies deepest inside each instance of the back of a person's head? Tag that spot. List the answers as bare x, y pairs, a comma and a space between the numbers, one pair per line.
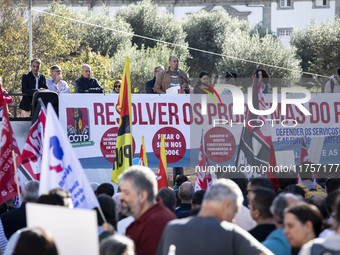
142, 179
168, 198
116, 245
94, 186
180, 179
197, 198
222, 190
186, 191
294, 189
262, 200
286, 179
108, 206
56, 197
305, 170
332, 184
31, 191
263, 182
105, 188
281, 202
321, 204
307, 212
35, 241
337, 210
239, 178
331, 200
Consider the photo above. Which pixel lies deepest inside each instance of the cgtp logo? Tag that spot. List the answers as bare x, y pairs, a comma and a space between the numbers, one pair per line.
238, 101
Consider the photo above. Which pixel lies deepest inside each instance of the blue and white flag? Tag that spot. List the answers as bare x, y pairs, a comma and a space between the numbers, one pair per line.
60, 167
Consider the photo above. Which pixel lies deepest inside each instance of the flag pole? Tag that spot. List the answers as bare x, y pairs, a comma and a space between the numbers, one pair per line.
101, 214
16, 176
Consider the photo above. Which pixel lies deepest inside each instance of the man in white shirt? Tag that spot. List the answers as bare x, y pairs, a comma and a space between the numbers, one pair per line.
56, 83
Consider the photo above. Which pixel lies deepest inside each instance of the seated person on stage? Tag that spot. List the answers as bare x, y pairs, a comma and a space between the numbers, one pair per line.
56, 83
85, 83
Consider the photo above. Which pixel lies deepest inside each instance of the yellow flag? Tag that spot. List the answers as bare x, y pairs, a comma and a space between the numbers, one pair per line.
124, 150
143, 161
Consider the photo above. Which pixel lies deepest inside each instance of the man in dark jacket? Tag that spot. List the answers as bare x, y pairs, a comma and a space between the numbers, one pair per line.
86, 84
31, 82
150, 83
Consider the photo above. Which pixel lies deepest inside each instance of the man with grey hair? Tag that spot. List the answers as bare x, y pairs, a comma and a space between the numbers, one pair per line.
16, 219
138, 197
85, 83
150, 83
56, 83
186, 191
212, 226
276, 241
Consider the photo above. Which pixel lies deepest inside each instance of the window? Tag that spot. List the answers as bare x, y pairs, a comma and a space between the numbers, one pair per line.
285, 3
320, 2
285, 36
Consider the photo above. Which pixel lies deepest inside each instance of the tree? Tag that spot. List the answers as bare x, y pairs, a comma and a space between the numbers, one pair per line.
109, 32
318, 47
143, 62
268, 50
146, 20
207, 31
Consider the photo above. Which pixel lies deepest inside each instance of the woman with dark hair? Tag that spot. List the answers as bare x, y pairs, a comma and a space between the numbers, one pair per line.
332, 184
35, 241
117, 245
302, 223
331, 243
200, 87
116, 86
264, 78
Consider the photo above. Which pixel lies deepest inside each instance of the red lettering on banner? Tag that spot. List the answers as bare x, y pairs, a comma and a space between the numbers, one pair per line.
197, 108
302, 117
336, 111
173, 113
222, 111
140, 115
185, 114
211, 112
315, 117
289, 112
134, 110
325, 113
98, 113
277, 114
152, 118
161, 114
108, 113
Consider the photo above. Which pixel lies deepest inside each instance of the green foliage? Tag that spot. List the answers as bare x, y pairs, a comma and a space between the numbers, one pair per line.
146, 20
267, 50
207, 31
318, 47
143, 62
101, 39
13, 45
259, 29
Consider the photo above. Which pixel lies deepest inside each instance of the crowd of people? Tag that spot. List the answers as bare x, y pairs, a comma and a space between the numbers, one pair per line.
234, 216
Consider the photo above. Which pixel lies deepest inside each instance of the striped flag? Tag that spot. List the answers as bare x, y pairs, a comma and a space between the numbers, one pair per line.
124, 150
304, 157
203, 177
162, 177
254, 146
143, 161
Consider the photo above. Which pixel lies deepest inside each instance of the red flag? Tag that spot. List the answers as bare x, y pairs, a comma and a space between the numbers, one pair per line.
203, 177
162, 179
304, 153
8, 185
32, 153
271, 166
